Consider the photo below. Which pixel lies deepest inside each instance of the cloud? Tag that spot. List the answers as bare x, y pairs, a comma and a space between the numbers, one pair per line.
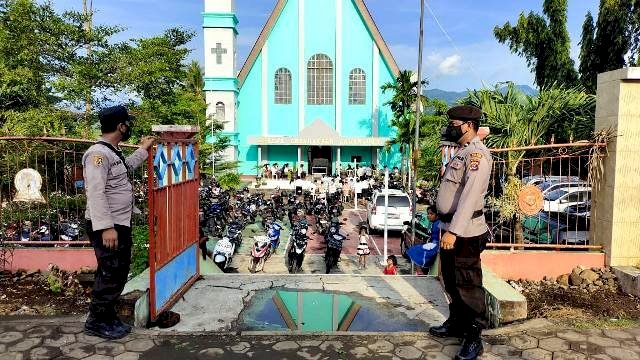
450, 65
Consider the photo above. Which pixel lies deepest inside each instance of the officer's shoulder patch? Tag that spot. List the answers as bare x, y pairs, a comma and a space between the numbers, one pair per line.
98, 160
473, 165
475, 156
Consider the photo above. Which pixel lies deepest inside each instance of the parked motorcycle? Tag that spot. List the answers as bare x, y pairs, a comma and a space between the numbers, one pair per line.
334, 248
297, 247
274, 237
259, 253
223, 253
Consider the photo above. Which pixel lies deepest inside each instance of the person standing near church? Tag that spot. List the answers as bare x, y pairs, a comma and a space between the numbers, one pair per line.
109, 209
464, 232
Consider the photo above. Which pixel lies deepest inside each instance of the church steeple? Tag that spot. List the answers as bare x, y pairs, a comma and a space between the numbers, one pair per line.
221, 84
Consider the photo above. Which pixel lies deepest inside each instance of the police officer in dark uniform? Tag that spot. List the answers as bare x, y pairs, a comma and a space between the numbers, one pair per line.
464, 231
109, 208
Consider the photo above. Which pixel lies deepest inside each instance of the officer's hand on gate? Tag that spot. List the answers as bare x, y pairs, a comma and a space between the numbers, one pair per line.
448, 240
147, 142
110, 238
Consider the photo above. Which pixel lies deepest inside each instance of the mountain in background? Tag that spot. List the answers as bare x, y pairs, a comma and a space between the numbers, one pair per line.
451, 97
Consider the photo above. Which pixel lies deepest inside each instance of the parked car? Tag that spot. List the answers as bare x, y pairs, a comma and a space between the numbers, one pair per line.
539, 179
581, 209
558, 200
398, 212
556, 228
548, 186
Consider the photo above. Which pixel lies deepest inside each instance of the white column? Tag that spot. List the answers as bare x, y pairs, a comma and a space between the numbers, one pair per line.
265, 89
299, 159
302, 73
338, 69
338, 155
375, 80
259, 159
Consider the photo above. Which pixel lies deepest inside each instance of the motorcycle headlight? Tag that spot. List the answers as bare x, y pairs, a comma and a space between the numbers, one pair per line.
303, 231
219, 258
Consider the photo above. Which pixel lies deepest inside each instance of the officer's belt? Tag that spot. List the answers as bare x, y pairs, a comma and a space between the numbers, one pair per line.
447, 218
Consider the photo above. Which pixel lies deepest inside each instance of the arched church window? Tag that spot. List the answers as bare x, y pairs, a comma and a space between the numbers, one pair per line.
320, 80
220, 111
283, 86
357, 87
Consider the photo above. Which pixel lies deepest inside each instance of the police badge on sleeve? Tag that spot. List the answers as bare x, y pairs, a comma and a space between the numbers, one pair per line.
474, 163
98, 160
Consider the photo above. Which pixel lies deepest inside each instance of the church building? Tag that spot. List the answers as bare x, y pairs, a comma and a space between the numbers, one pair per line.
309, 92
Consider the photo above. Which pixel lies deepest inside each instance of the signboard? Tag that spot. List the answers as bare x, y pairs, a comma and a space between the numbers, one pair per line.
341, 141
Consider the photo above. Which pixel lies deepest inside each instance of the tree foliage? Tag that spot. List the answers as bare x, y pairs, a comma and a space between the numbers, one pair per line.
46, 74
611, 39
516, 119
543, 40
588, 74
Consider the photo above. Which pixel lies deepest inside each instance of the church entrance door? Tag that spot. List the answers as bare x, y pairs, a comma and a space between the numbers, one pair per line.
320, 160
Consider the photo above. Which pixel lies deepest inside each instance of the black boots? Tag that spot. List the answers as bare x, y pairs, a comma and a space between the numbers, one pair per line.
447, 329
472, 344
110, 330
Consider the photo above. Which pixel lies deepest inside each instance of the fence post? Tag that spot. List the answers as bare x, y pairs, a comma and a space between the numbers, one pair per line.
616, 199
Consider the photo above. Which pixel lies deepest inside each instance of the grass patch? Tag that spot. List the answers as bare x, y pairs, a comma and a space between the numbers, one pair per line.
605, 323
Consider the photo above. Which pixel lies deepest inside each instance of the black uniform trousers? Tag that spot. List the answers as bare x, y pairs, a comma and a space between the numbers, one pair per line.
462, 277
112, 272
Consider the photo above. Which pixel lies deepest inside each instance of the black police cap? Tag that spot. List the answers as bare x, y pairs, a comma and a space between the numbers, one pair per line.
114, 115
465, 113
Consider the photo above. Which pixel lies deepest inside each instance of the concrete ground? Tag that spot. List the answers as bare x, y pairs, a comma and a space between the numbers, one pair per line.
314, 261
216, 302
62, 338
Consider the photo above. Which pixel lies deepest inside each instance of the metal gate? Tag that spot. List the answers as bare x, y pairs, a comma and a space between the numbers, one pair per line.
173, 216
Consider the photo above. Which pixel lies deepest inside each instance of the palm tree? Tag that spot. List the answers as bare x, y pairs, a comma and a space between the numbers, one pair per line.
194, 81
405, 92
519, 120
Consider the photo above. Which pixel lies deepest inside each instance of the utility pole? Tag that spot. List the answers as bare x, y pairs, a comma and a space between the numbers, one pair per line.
88, 16
416, 146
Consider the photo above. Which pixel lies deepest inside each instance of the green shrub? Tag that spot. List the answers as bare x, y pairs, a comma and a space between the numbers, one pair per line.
140, 250
229, 180
55, 284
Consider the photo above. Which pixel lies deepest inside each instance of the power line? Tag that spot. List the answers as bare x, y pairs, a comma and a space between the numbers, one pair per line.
446, 34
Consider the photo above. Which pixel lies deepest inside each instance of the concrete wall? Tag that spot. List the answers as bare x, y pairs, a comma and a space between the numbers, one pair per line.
69, 259
616, 199
535, 265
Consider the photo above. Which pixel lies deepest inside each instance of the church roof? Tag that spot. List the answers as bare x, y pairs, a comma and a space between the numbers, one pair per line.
273, 18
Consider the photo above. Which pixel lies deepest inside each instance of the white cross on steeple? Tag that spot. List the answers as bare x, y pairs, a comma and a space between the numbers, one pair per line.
218, 51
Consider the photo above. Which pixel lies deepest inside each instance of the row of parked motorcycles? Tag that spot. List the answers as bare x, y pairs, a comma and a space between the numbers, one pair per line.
225, 216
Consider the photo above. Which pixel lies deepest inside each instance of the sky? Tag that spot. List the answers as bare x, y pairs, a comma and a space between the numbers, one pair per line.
467, 57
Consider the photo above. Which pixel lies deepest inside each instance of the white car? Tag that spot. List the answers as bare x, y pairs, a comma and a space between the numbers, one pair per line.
399, 210
539, 179
558, 200
549, 186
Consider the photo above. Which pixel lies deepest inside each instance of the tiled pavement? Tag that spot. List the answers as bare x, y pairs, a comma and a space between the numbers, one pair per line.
64, 339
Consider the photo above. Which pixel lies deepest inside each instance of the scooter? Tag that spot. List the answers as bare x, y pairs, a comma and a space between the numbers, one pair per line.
274, 237
259, 253
334, 248
223, 253
297, 247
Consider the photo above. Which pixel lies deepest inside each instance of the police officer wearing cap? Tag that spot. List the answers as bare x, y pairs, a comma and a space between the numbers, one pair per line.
109, 208
464, 232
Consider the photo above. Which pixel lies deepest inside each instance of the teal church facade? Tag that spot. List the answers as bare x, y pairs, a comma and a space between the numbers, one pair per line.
309, 92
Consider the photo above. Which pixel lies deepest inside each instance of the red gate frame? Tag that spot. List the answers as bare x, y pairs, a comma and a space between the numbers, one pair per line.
161, 254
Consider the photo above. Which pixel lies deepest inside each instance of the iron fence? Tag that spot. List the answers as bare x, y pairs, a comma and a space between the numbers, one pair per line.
539, 197
42, 198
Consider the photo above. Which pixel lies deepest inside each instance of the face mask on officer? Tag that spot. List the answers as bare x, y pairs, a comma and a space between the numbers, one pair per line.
126, 135
454, 133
